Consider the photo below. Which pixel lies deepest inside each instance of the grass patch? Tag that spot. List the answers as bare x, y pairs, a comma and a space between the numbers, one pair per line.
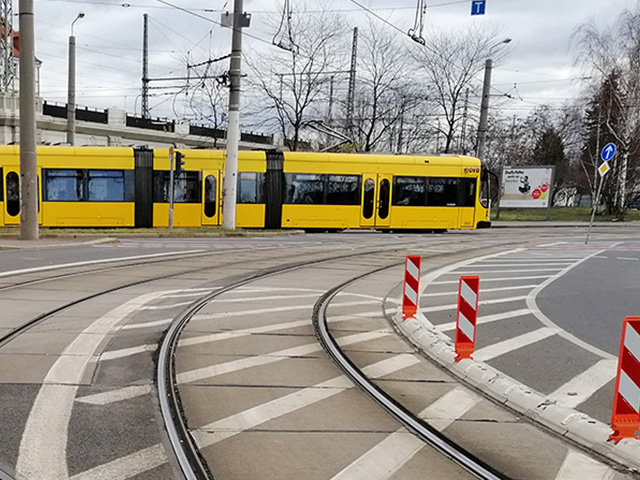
559, 214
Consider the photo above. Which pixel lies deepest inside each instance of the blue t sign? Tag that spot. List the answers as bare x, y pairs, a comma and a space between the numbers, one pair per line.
477, 7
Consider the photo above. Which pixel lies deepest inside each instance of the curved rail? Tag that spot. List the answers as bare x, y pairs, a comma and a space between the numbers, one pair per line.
420, 428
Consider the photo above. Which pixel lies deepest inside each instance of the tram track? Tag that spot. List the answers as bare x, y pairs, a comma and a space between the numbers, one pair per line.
412, 422
165, 360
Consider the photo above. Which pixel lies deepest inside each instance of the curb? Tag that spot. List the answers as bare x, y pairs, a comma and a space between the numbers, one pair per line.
568, 422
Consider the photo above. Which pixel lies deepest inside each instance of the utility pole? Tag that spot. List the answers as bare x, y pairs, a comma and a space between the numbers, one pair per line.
352, 83
484, 106
484, 109
145, 66
71, 87
28, 154
233, 129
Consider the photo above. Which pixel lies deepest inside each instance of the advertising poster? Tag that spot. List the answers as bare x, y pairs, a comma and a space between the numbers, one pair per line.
526, 187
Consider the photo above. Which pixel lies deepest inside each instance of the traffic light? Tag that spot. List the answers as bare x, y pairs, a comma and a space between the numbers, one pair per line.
179, 162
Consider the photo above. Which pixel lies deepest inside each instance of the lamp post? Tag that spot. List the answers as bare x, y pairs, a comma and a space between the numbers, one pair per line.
484, 106
71, 93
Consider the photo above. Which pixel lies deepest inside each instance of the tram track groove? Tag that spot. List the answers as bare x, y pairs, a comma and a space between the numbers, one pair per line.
413, 423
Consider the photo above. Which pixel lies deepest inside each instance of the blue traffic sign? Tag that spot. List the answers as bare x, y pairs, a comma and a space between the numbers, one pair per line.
608, 152
478, 6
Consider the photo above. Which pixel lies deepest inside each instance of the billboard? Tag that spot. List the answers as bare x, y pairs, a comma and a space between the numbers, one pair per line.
526, 187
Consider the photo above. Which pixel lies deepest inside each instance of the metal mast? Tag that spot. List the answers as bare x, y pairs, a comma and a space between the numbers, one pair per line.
7, 64
145, 67
352, 81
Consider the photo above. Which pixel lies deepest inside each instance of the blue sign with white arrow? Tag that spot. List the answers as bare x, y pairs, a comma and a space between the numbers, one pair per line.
608, 152
478, 6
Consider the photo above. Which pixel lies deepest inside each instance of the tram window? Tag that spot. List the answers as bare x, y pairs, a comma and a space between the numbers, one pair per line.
385, 194
442, 192
210, 194
304, 188
468, 189
1, 189
105, 185
13, 194
63, 185
343, 190
409, 191
187, 187
251, 187
368, 198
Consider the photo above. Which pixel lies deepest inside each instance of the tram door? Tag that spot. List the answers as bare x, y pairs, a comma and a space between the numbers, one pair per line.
376, 200
211, 188
12, 196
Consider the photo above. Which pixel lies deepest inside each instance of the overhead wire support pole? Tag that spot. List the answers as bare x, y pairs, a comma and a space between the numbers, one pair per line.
71, 86
352, 82
28, 153
145, 66
230, 183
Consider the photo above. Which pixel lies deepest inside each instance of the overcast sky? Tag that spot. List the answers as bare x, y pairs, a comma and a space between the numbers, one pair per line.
539, 67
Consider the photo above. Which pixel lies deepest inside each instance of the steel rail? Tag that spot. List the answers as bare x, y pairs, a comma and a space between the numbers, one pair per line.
416, 425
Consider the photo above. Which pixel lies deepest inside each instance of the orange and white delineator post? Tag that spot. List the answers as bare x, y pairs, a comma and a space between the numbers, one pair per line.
411, 286
625, 419
467, 316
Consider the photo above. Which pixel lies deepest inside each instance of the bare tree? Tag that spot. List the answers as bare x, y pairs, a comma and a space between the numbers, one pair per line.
615, 53
385, 96
292, 83
451, 63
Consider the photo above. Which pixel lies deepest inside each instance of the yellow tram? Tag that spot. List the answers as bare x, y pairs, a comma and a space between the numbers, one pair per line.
129, 187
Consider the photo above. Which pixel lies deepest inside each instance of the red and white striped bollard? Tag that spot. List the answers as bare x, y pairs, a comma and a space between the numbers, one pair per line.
625, 418
411, 286
467, 316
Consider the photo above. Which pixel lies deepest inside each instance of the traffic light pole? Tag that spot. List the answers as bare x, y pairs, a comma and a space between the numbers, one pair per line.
233, 129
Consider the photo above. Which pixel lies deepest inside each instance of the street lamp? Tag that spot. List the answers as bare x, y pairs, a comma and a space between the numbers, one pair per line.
71, 93
484, 106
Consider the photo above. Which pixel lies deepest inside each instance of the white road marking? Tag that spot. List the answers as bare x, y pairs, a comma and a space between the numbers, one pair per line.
444, 327
250, 362
126, 352
228, 427
583, 386
156, 323
506, 346
628, 258
117, 395
448, 408
167, 307
482, 290
501, 279
439, 308
532, 264
479, 271
125, 467
391, 454
533, 306
243, 313
577, 466
92, 262
43, 448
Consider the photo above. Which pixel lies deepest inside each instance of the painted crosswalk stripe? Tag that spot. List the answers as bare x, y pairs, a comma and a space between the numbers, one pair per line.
582, 387
506, 346
215, 432
387, 457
